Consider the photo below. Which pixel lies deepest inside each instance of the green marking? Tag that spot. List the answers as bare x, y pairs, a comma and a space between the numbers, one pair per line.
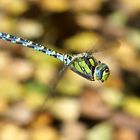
92, 62
105, 76
76, 65
85, 66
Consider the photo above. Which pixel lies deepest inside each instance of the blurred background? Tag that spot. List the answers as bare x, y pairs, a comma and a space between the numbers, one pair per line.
81, 109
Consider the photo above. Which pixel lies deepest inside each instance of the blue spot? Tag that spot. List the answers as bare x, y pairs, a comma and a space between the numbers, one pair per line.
99, 74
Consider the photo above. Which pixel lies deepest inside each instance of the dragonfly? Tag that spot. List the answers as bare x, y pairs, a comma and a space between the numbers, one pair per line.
84, 64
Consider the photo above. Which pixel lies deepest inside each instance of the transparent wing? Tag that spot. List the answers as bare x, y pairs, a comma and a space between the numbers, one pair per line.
52, 89
44, 106
107, 46
54, 85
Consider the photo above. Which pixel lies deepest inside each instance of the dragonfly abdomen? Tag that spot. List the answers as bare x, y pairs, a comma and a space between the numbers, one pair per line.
24, 42
27, 43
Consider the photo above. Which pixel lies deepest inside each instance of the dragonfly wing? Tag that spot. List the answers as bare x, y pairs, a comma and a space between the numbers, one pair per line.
106, 46
54, 85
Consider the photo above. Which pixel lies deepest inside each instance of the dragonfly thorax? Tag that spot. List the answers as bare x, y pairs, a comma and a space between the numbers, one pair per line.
84, 66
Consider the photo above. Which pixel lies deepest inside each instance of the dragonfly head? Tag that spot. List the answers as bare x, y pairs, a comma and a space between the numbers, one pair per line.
101, 72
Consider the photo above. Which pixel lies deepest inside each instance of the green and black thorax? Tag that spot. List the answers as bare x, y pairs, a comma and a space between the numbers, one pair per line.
88, 67
84, 66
